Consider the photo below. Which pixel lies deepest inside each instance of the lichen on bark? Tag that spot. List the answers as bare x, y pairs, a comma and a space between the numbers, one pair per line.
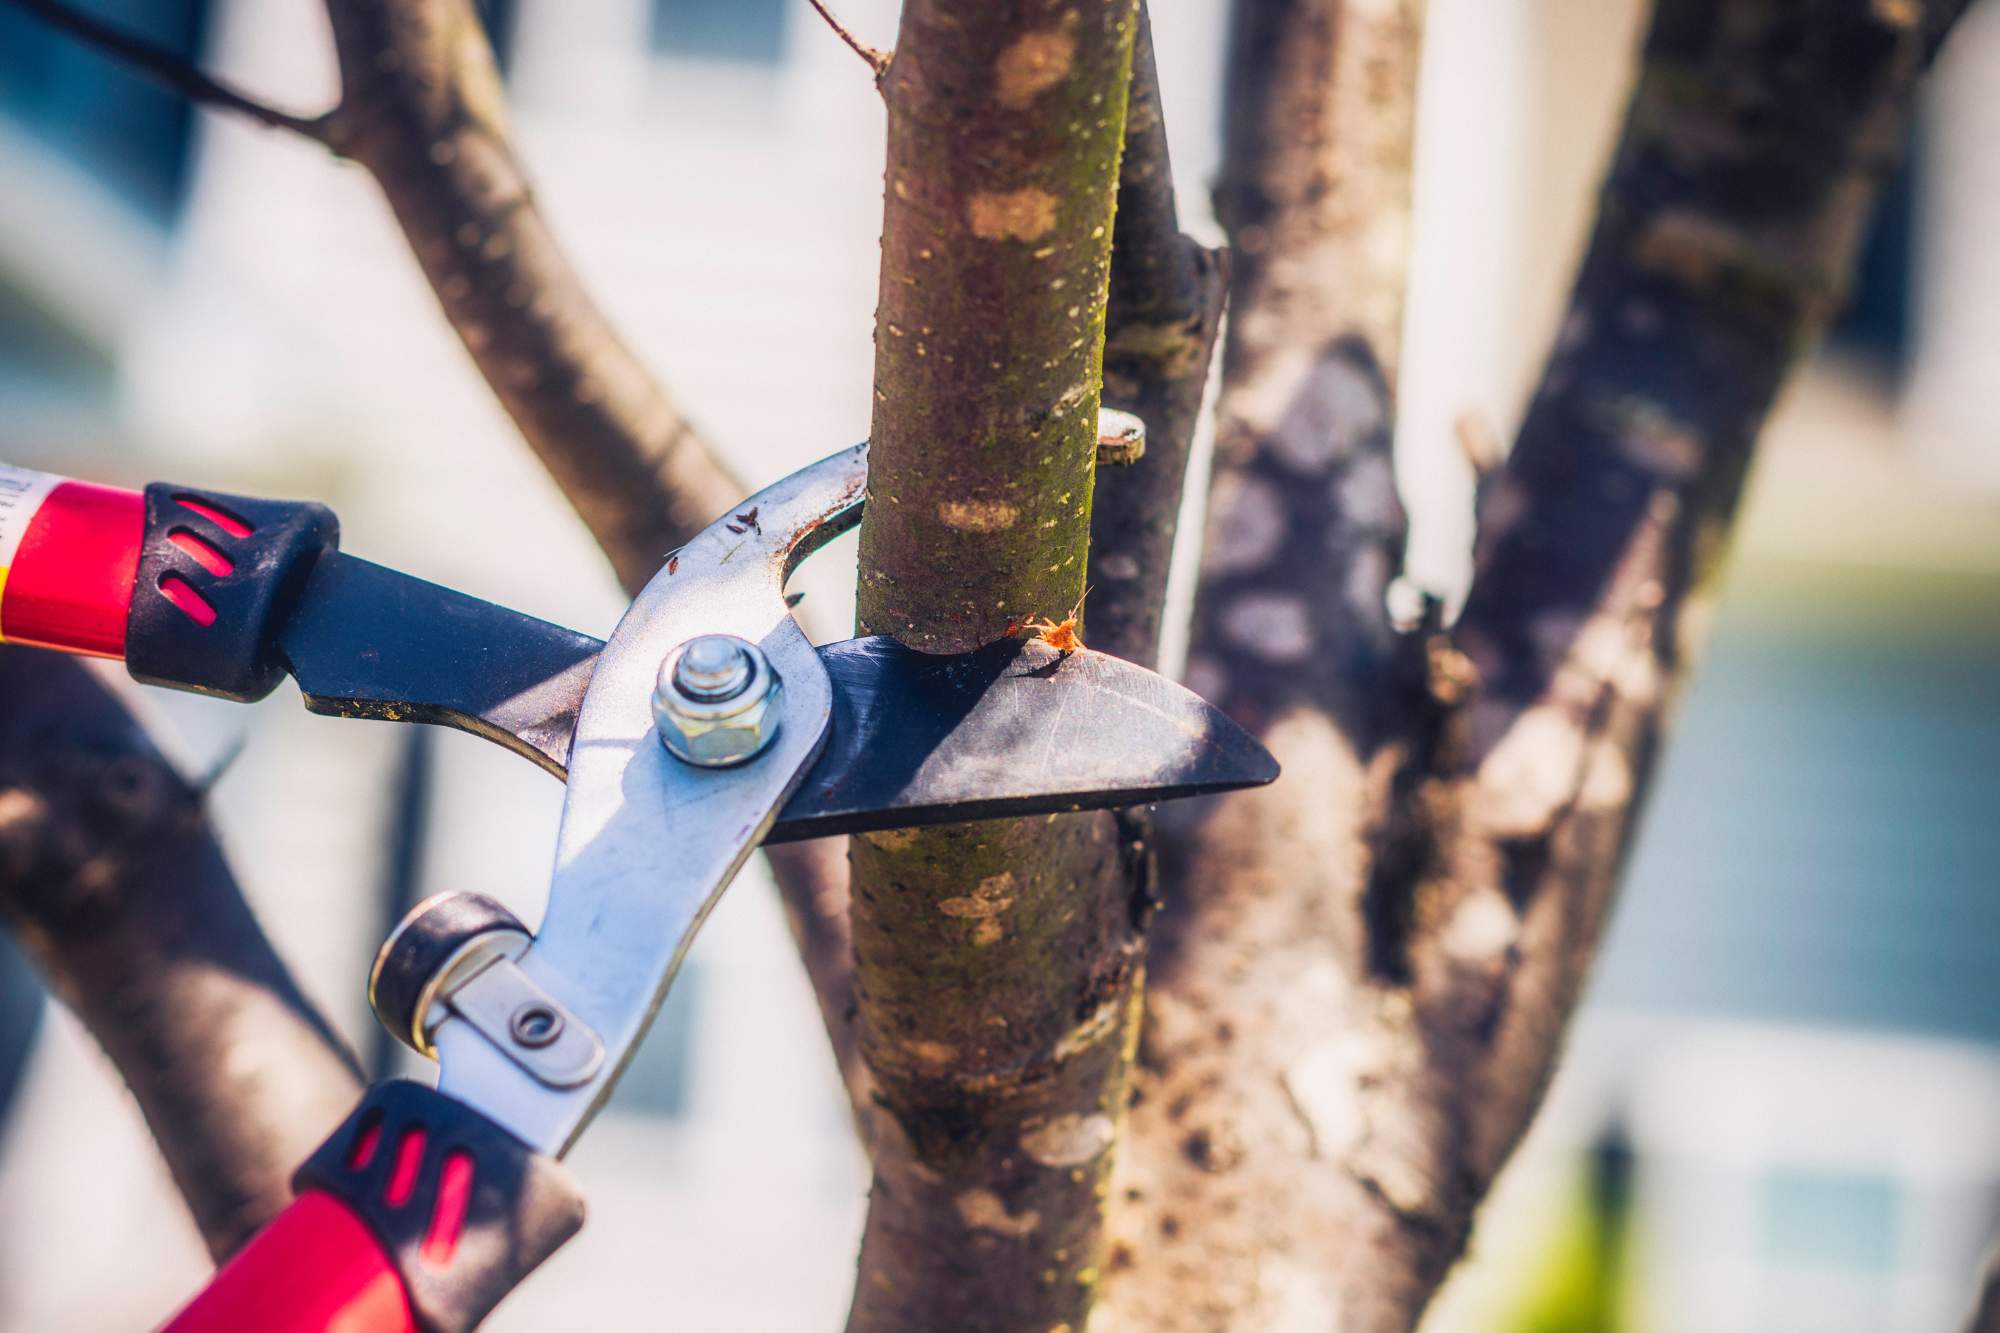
997, 965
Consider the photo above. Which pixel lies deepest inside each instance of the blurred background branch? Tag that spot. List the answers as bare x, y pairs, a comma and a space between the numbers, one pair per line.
167, 69
114, 884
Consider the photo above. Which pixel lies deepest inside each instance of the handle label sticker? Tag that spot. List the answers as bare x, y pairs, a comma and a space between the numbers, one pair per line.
21, 495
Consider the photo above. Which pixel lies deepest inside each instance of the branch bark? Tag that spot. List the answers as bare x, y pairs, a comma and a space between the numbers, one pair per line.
1375, 957
997, 965
878, 61
115, 886
422, 109
1985, 1316
1167, 296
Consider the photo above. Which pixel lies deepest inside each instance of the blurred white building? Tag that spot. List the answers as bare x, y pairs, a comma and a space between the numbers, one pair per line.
1796, 1022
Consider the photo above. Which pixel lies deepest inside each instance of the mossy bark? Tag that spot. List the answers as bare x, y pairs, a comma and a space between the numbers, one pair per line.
997, 965
1005, 123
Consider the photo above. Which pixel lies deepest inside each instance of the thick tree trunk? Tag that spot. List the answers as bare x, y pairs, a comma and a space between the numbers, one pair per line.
1375, 958
1291, 634
115, 887
997, 965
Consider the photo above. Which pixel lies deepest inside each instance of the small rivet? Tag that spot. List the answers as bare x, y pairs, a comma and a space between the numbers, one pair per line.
535, 1025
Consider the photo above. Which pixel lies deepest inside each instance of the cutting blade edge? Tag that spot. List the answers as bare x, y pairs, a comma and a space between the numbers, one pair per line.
1012, 729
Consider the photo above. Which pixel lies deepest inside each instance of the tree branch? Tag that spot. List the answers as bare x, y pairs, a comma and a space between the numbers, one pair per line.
1167, 295
1726, 238
116, 888
998, 964
877, 60
1456, 802
1305, 531
1165, 304
167, 69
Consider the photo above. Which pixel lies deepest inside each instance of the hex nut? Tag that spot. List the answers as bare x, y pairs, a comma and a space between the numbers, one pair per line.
711, 732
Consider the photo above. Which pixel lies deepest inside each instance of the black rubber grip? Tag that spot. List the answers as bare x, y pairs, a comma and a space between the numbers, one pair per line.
218, 577
401, 1165
422, 945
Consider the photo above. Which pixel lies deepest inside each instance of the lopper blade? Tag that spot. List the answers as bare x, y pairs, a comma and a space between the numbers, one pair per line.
1010, 730
1013, 729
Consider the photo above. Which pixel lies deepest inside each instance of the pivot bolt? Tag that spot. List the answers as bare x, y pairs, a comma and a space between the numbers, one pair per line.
717, 701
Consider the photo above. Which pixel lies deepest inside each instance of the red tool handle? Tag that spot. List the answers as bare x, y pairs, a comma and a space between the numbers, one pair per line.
315, 1269
69, 556
417, 1213
192, 588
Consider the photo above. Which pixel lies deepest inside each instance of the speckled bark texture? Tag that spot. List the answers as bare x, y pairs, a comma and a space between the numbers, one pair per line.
1362, 973
997, 965
422, 109
112, 881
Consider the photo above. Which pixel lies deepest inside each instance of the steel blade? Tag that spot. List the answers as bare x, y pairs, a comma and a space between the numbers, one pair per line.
916, 739
372, 642
1013, 729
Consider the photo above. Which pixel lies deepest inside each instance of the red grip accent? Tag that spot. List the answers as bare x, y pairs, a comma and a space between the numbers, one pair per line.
314, 1269
70, 583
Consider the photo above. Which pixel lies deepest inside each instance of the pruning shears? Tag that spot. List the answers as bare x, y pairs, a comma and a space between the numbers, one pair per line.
707, 725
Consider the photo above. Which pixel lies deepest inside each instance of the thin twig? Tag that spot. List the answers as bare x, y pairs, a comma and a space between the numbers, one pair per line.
169, 70
878, 60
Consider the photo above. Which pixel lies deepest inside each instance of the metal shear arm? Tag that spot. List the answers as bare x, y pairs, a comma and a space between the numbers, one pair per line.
648, 843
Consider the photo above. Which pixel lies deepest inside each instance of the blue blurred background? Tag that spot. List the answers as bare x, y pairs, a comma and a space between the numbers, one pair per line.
1777, 1110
